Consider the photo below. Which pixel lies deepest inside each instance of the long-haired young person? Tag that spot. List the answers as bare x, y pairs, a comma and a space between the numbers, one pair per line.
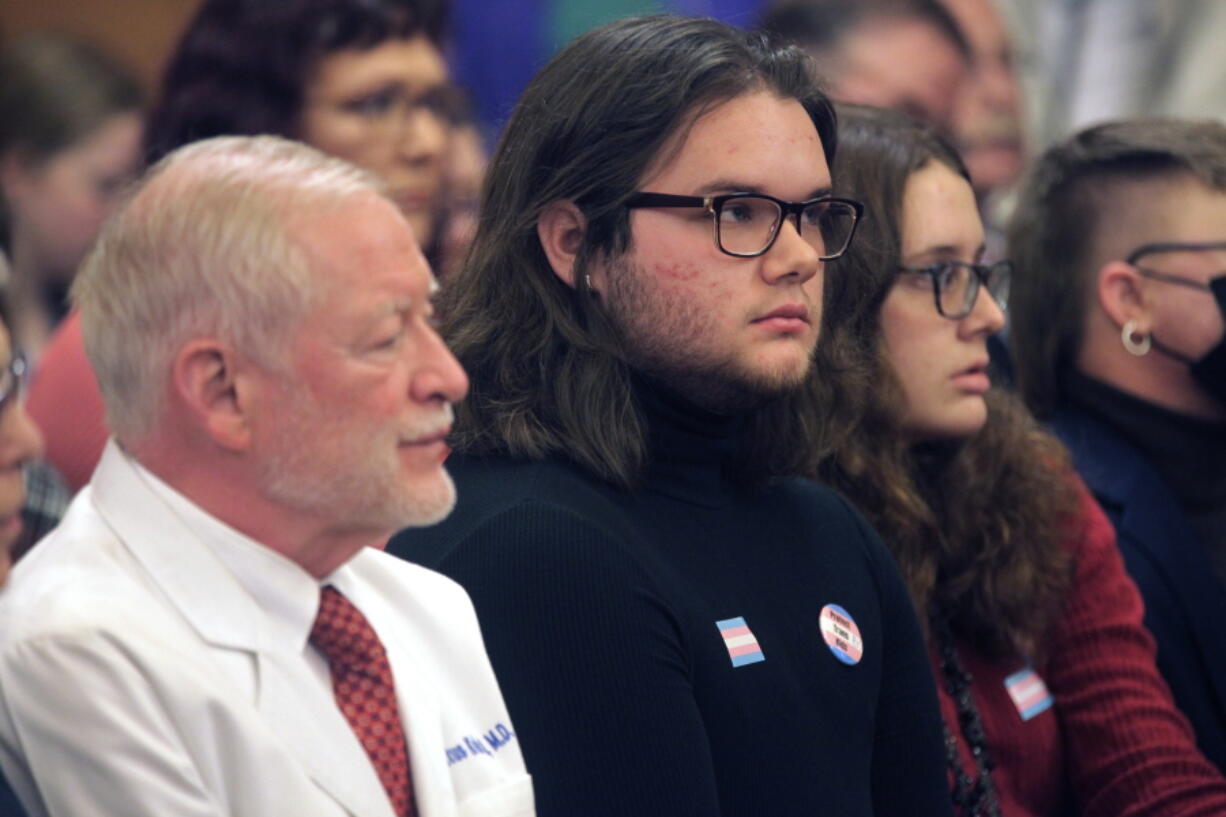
681, 624
1051, 700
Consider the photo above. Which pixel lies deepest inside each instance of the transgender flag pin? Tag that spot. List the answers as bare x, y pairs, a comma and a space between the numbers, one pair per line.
841, 634
1028, 692
742, 645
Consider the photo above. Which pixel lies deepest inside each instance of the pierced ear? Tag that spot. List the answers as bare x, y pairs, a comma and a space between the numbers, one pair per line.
561, 229
1121, 295
205, 379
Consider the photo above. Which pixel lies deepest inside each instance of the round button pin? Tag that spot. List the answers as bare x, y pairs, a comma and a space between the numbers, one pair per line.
841, 634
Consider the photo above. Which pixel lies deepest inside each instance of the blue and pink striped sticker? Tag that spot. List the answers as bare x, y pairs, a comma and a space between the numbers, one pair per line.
742, 645
1028, 692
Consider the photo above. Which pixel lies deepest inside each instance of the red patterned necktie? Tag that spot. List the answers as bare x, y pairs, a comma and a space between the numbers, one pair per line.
364, 689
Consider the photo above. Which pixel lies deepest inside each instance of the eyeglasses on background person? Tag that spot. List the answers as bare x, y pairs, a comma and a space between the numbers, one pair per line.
747, 224
12, 380
955, 284
387, 111
1171, 247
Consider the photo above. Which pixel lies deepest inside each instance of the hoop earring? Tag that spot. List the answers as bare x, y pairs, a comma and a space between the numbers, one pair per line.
1140, 348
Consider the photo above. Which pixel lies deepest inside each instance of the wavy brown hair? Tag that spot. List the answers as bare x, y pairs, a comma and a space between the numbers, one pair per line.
977, 525
549, 376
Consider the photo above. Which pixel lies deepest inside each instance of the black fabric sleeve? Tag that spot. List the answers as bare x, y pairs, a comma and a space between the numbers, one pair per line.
592, 665
909, 773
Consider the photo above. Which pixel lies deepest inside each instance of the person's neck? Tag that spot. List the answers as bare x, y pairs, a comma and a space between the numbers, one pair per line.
1174, 391
224, 487
1187, 451
1156, 378
691, 449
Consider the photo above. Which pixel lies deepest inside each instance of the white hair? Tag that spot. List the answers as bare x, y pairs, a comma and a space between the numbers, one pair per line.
201, 248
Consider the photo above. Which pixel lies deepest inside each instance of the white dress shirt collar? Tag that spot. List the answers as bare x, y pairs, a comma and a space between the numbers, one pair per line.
281, 587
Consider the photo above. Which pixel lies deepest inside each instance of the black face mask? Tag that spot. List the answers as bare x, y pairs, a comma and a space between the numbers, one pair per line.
1210, 370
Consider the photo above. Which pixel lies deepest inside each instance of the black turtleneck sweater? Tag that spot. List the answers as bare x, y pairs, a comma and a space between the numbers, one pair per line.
1188, 453
611, 619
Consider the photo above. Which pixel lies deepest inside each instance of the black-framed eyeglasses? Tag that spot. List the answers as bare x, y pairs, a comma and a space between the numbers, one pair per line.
1173, 246
955, 284
747, 224
12, 380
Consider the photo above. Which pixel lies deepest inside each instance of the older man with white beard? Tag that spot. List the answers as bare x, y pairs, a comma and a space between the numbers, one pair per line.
209, 630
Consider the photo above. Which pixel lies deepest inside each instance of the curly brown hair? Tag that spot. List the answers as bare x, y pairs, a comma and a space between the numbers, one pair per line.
977, 526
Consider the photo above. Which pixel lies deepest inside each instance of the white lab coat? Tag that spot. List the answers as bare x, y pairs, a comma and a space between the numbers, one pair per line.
139, 677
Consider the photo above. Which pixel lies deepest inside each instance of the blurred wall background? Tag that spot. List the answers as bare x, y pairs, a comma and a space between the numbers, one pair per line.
497, 44
139, 32
1158, 56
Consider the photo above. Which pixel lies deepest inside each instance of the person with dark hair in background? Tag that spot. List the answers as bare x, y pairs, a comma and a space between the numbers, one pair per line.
20, 442
908, 55
1051, 699
988, 120
214, 629
364, 81
70, 125
360, 79
1119, 337
679, 625
464, 171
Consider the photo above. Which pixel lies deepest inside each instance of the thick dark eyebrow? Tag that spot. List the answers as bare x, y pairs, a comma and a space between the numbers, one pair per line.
732, 186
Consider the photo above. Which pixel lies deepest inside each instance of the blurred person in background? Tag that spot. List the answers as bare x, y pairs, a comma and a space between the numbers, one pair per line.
1090, 61
1119, 340
70, 128
363, 80
949, 63
20, 444
904, 54
987, 120
45, 496
464, 170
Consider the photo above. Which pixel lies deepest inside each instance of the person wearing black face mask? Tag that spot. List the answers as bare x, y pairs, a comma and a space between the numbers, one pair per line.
1209, 370
1118, 331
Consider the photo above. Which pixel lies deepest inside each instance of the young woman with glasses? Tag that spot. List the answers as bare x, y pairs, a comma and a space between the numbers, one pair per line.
1051, 701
